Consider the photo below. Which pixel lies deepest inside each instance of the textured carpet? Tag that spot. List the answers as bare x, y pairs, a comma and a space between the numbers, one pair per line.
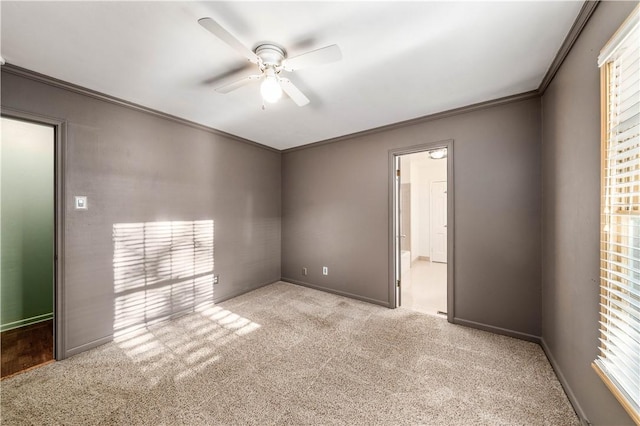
285, 354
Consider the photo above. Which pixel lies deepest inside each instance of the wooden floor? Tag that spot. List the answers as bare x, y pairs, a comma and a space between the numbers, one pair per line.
25, 347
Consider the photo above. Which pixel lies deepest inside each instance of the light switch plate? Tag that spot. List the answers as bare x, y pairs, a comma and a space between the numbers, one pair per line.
81, 202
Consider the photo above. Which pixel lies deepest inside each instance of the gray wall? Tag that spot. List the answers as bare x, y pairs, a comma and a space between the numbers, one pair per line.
571, 215
336, 213
137, 168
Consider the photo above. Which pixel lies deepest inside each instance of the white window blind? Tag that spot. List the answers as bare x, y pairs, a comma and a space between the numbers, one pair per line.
619, 357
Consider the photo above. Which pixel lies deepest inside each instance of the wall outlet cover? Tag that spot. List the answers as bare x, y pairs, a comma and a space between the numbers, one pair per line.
216, 279
325, 270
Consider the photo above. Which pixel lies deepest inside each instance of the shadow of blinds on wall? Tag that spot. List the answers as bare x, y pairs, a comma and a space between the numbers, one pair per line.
618, 363
161, 269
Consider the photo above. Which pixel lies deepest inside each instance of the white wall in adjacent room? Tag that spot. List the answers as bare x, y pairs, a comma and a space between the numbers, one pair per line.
424, 170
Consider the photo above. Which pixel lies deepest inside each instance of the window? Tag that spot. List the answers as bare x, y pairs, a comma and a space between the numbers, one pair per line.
618, 362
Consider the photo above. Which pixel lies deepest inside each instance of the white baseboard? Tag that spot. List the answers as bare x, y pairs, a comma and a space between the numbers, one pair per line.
26, 321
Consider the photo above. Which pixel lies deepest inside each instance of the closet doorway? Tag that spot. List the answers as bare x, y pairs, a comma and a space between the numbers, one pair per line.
422, 216
28, 244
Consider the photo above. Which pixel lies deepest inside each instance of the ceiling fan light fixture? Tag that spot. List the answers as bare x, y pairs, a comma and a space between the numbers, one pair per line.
270, 90
271, 59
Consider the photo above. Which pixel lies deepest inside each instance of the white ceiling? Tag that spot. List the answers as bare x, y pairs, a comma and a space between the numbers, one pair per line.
401, 60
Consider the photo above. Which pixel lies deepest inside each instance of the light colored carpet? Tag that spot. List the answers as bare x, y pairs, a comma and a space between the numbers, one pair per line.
286, 354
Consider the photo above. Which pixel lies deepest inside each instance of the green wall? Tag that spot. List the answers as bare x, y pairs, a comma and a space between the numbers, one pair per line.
27, 223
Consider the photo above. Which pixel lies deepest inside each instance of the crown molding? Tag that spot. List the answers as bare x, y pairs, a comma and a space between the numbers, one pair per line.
60, 84
585, 13
437, 116
572, 36
581, 20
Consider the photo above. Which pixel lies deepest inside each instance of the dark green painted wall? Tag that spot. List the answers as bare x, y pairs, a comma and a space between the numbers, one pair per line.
27, 223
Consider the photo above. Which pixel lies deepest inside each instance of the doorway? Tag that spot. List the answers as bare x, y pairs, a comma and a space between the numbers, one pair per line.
28, 221
422, 228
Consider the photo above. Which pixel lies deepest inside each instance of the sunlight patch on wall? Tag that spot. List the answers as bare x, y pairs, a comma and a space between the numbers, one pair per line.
161, 269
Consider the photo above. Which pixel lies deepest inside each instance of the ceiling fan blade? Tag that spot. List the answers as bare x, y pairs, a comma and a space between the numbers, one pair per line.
233, 74
294, 93
226, 88
320, 56
214, 28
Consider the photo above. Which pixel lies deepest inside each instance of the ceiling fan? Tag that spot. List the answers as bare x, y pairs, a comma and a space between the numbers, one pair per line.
271, 60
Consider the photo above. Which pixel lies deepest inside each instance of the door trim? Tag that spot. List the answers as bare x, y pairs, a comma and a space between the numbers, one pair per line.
392, 240
60, 146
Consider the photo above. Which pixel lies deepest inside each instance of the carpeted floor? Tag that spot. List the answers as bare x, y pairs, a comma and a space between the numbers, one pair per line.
286, 354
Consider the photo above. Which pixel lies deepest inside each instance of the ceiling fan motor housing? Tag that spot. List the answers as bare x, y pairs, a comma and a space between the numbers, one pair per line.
271, 54
271, 59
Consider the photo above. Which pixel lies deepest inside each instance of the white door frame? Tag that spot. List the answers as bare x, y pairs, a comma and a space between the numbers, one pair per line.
394, 237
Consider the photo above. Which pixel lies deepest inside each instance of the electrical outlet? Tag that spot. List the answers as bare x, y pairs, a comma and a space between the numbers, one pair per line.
325, 270
216, 279
304, 271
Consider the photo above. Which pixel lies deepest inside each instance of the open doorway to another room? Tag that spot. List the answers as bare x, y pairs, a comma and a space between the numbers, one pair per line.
28, 223
423, 228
